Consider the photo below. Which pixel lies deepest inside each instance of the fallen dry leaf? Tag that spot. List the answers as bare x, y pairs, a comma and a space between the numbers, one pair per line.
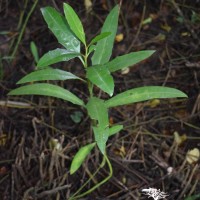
179, 139
193, 156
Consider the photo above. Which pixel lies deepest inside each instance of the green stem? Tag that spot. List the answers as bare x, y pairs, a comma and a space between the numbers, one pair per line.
97, 185
86, 57
23, 29
90, 85
81, 188
19, 23
90, 88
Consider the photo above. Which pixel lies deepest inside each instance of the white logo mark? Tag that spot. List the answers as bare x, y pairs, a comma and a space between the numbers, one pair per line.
156, 194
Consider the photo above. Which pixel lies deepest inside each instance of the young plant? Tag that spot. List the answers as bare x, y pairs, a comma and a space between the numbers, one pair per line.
70, 34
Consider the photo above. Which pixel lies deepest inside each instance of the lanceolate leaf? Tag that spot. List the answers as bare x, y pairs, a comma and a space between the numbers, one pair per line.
115, 129
127, 60
100, 76
55, 56
143, 94
98, 112
101, 136
91, 49
74, 22
46, 89
34, 51
80, 157
47, 74
104, 47
99, 37
58, 25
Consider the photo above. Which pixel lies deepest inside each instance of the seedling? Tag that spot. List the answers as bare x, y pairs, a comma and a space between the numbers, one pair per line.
70, 34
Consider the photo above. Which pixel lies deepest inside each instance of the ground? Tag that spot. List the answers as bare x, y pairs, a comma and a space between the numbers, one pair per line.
151, 151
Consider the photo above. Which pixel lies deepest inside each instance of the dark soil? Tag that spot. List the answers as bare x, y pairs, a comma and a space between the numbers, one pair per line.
145, 154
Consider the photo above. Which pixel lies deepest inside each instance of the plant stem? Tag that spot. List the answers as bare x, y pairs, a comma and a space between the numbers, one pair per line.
81, 188
90, 88
90, 85
86, 57
20, 22
105, 159
23, 29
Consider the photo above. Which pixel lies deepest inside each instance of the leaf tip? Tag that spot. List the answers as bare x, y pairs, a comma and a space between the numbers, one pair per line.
111, 93
184, 95
72, 171
42, 9
152, 51
19, 82
11, 93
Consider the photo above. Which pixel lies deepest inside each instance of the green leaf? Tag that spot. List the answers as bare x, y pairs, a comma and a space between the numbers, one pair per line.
76, 116
46, 89
100, 76
127, 60
80, 157
34, 51
91, 49
104, 47
55, 56
98, 112
60, 28
74, 22
99, 37
47, 74
143, 94
101, 136
193, 197
115, 129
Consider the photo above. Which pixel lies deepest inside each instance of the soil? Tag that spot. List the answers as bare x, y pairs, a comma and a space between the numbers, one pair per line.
151, 150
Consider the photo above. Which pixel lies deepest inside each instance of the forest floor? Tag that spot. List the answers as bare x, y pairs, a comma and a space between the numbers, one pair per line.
150, 152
